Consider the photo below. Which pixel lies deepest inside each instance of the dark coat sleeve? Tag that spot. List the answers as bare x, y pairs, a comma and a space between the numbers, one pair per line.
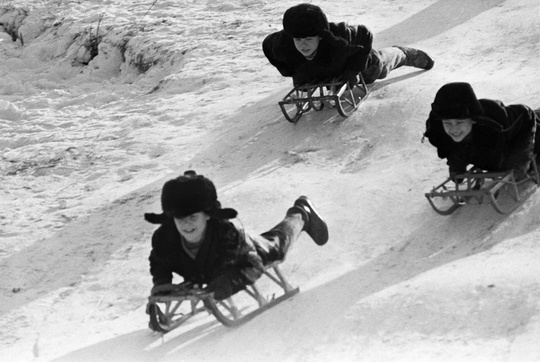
274, 50
456, 163
160, 269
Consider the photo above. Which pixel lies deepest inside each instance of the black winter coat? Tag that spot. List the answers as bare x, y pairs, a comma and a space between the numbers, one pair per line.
502, 139
329, 61
225, 251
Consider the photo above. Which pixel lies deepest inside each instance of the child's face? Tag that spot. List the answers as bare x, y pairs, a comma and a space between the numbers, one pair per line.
192, 227
458, 129
307, 46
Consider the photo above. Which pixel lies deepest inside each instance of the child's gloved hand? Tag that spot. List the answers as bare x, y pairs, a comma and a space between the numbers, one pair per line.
350, 77
453, 176
221, 287
161, 289
298, 80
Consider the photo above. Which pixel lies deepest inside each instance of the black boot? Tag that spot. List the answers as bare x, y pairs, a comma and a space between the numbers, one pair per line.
314, 225
417, 58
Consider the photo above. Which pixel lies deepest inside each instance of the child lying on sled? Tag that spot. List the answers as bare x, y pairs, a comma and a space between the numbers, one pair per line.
483, 133
197, 241
310, 49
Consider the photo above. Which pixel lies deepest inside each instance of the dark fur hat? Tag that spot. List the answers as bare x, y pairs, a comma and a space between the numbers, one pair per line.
308, 20
456, 101
188, 194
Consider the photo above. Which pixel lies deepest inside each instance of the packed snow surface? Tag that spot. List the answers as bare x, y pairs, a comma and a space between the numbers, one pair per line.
101, 101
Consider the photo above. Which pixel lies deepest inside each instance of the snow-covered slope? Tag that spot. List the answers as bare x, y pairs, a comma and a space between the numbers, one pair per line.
101, 101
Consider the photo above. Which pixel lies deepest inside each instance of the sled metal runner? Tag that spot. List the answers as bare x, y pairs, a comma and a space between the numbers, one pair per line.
476, 187
316, 96
173, 304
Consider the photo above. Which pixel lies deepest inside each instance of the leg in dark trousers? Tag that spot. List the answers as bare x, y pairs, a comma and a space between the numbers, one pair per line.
383, 61
274, 244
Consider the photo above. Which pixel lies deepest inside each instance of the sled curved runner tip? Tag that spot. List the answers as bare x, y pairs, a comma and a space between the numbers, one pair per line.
333, 94
176, 303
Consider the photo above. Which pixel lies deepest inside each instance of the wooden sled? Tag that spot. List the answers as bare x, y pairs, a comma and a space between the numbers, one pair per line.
476, 187
173, 304
333, 93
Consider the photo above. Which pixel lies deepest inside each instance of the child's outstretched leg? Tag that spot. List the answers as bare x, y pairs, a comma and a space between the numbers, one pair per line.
416, 58
314, 225
383, 61
274, 244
